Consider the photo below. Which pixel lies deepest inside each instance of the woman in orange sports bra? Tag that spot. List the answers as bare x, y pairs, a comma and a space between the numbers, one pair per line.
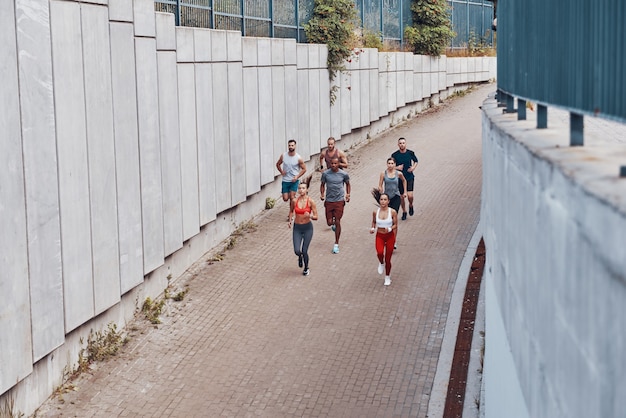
384, 224
305, 211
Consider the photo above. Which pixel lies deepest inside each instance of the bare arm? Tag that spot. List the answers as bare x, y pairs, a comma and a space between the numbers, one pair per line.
347, 191
381, 182
394, 217
403, 181
322, 190
279, 165
373, 229
343, 160
313, 210
322, 154
302, 170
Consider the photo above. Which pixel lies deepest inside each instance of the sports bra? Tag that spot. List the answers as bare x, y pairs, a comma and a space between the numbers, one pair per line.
384, 223
302, 211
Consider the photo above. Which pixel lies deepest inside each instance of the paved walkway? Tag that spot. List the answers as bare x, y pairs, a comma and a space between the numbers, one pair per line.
253, 337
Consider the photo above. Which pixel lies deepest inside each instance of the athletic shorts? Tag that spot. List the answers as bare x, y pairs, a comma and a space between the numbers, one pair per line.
290, 186
395, 202
409, 185
334, 210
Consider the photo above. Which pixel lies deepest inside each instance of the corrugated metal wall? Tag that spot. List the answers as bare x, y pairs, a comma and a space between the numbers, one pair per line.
568, 53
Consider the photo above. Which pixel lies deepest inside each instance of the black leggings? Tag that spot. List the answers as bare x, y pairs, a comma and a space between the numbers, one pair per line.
302, 236
394, 202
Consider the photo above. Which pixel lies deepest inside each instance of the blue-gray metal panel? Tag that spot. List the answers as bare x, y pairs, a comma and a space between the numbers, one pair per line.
564, 53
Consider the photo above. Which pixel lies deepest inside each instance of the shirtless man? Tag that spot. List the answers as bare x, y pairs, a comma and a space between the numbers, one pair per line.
331, 152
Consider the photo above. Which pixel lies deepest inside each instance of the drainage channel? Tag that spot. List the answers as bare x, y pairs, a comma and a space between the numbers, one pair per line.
462, 350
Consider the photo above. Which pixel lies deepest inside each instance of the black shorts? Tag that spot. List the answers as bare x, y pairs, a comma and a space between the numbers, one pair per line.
409, 185
395, 202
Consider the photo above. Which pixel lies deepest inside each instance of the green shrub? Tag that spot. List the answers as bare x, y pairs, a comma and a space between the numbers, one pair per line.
333, 23
431, 31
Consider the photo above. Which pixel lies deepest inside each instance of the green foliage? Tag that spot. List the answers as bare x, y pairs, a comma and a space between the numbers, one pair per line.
152, 310
431, 31
372, 39
100, 346
333, 23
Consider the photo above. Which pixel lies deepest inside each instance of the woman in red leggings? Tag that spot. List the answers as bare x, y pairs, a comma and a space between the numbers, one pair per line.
384, 224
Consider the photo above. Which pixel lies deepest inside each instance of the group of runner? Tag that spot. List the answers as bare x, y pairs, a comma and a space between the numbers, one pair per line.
395, 185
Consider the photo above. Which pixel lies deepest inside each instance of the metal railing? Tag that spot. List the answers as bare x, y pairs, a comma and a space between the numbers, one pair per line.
564, 53
286, 18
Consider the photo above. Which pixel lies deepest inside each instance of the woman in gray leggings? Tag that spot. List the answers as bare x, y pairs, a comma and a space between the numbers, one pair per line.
305, 212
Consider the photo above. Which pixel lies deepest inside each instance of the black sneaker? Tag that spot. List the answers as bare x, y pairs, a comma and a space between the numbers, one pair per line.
411, 211
404, 216
305, 272
300, 260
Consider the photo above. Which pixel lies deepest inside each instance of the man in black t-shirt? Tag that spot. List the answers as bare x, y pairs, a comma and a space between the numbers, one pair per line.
406, 161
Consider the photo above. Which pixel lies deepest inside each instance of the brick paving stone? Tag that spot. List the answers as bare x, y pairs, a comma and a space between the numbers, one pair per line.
253, 337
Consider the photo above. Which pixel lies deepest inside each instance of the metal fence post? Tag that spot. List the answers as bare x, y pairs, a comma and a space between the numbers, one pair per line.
576, 127
542, 116
521, 109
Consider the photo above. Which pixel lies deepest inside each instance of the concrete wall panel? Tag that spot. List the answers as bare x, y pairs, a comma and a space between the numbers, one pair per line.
218, 46
250, 51
15, 344
304, 110
316, 101
233, 46
345, 93
170, 151
355, 99
101, 154
374, 110
149, 152
67, 62
40, 171
364, 84
206, 149
221, 135
251, 134
392, 91
144, 18
165, 32
292, 129
185, 48
188, 150
266, 121
126, 155
121, 10
202, 45
325, 128
279, 112
237, 146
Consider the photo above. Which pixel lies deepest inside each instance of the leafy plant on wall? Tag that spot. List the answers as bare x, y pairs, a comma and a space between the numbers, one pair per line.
333, 23
432, 30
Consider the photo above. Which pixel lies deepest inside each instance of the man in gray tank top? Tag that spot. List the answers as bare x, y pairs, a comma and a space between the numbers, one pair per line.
291, 167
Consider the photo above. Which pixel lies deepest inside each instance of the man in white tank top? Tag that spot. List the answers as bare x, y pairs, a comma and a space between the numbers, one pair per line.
291, 167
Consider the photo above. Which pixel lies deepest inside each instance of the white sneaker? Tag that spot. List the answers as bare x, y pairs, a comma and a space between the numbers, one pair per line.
387, 280
381, 268
336, 249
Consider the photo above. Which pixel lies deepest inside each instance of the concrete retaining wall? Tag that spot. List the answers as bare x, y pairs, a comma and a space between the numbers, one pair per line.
554, 221
130, 147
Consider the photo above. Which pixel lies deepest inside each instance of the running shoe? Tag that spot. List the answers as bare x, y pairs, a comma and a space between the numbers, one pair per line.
305, 272
387, 280
395, 246
411, 211
404, 216
300, 260
336, 249
333, 227
381, 268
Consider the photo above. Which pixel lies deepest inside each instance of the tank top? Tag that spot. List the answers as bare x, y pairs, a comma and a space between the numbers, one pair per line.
302, 211
291, 165
392, 185
328, 157
384, 223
